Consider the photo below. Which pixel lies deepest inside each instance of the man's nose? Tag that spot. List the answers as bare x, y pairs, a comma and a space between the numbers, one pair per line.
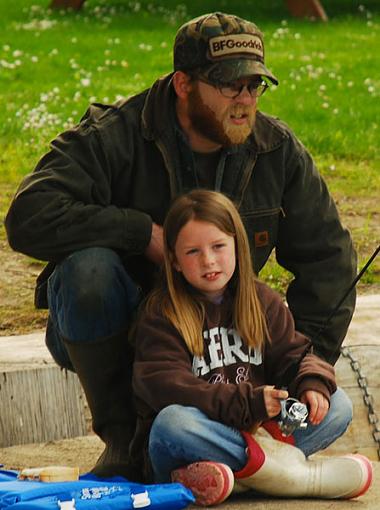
245, 97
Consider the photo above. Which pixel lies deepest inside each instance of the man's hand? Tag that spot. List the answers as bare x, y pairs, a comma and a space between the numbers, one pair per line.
155, 249
318, 405
272, 399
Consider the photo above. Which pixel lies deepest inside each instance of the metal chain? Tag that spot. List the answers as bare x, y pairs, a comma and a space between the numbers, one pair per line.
373, 419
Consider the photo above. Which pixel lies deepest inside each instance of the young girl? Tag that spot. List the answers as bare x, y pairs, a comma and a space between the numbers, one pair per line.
213, 344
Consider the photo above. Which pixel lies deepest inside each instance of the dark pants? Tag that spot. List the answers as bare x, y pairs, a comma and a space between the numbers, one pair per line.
91, 297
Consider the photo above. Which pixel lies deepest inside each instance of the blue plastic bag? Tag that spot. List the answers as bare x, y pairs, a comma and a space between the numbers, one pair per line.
91, 493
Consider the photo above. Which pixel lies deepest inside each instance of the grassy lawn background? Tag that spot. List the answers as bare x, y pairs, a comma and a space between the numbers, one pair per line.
52, 64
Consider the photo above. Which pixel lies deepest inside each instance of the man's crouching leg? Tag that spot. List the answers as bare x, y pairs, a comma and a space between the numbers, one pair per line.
92, 301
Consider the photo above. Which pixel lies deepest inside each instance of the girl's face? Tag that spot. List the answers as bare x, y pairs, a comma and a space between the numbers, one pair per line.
206, 257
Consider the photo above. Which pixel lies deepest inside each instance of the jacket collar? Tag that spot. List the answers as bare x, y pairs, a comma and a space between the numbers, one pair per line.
156, 119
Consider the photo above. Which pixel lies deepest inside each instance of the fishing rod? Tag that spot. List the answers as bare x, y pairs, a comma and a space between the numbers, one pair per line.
294, 413
350, 288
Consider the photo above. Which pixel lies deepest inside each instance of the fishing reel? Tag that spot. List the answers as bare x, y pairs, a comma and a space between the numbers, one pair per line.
293, 416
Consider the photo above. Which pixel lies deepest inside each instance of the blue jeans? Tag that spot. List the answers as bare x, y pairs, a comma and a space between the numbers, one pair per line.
90, 296
182, 435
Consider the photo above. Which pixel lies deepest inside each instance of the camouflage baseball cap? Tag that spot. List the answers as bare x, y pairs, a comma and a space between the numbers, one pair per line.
221, 47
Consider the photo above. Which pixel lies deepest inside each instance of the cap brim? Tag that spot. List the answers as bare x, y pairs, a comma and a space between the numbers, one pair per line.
235, 69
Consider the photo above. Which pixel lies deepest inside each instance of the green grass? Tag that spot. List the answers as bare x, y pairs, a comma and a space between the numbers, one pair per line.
52, 64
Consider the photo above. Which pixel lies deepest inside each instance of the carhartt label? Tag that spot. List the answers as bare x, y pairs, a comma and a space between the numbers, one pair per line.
240, 43
261, 239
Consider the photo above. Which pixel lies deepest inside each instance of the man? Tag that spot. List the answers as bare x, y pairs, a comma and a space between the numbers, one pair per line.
95, 205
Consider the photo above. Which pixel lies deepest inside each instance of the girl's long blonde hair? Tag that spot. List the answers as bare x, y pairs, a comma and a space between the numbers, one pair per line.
176, 299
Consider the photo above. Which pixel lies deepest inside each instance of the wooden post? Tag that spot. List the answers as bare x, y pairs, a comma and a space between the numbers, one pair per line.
307, 9
67, 4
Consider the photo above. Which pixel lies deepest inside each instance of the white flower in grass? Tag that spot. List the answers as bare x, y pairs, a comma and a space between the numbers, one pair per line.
322, 87
17, 53
335, 111
53, 52
164, 44
124, 63
6, 47
325, 105
74, 40
332, 167
350, 84
371, 89
85, 82
34, 59
297, 36
145, 47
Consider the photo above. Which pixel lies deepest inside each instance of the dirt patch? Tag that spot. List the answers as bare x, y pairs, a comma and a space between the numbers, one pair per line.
79, 451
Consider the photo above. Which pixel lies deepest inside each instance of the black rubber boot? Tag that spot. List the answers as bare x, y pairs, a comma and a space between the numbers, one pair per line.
104, 368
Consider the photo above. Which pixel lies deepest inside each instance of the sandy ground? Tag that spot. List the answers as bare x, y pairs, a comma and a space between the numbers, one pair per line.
65, 452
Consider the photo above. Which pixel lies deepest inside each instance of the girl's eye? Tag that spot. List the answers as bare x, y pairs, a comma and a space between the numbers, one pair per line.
192, 251
219, 246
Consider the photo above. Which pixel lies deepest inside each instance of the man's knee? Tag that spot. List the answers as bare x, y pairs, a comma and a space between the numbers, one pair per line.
91, 295
90, 272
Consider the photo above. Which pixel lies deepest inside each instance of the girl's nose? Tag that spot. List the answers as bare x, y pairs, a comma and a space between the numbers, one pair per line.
208, 258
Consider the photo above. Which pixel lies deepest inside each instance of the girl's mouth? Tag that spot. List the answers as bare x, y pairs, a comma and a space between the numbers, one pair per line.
211, 276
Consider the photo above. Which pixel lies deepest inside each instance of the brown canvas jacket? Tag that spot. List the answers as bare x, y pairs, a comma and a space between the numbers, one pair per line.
105, 180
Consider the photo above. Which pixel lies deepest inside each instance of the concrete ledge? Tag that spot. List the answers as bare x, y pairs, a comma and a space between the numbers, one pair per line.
38, 401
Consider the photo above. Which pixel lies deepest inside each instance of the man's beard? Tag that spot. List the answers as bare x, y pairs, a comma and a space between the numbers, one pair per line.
218, 127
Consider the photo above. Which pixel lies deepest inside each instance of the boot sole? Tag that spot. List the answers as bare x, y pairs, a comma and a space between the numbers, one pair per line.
210, 482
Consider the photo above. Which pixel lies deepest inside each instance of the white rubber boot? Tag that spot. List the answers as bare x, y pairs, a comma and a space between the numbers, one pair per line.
279, 469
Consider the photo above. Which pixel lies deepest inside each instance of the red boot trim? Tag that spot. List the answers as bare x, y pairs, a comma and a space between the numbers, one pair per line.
274, 430
366, 463
256, 457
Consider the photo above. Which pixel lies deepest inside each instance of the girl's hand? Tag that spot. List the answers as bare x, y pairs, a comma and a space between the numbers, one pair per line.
272, 399
318, 405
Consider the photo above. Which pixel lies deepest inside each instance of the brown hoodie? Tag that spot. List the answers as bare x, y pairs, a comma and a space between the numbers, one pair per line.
227, 382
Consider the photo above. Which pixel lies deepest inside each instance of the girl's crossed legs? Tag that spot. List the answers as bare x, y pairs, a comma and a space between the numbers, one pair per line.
183, 435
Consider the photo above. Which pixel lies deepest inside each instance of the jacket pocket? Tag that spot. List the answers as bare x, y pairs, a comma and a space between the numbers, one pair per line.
262, 228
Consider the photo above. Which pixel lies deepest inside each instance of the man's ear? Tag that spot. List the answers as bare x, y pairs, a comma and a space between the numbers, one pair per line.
181, 84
